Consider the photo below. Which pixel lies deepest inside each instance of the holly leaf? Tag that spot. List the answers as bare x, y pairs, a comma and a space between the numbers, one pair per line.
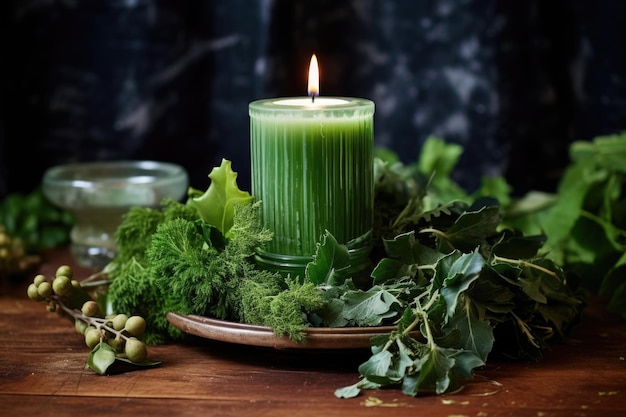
461, 273
476, 335
432, 371
369, 308
517, 246
532, 285
332, 313
491, 293
217, 204
408, 250
330, 263
388, 269
375, 369
470, 230
402, 247
466, 362
386, 367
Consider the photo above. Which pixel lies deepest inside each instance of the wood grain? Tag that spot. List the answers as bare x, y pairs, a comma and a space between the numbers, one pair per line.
42, 372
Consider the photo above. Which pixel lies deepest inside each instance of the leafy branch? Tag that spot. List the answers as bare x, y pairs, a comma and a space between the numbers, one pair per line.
525, 263
476, 288
114, 340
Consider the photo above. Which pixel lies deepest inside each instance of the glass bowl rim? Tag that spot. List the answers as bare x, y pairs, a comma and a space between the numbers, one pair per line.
61, 175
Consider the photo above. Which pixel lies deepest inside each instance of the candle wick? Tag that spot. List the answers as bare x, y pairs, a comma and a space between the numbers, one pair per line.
312, 98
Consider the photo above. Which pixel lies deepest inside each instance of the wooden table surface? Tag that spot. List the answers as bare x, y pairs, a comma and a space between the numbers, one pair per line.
42, 372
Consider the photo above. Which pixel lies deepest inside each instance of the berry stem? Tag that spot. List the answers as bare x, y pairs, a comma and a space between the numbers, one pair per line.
98, 322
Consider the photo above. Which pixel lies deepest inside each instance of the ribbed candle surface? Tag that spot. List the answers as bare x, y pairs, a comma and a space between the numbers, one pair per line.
312, 169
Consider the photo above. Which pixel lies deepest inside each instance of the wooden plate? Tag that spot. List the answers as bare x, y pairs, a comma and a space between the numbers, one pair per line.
336, 338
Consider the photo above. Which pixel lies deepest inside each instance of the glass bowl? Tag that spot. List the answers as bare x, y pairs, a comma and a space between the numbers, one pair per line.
98, 194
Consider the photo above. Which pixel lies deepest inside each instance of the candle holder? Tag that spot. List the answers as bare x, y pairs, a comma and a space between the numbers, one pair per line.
312, 168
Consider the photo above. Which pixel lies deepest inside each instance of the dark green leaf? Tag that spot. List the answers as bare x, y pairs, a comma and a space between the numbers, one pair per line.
122, 365
369, 308
466, 361
433, 371
360, 241
444, 214
330, 263
377, 367
492, 293
211, 235
465, 270
532, 286
402, 247
332, 313
402, 362
442, 269
518, 246
615, 277
388, 269
617, 304
476, 334
470, 230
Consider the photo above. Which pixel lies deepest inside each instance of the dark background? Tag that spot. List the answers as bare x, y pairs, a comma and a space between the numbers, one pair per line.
514, 82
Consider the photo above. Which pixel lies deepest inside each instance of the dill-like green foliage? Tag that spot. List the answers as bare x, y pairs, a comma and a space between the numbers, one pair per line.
131, 290
133, 235
282, 304
199, 274
183, 263
187, 266
140, 223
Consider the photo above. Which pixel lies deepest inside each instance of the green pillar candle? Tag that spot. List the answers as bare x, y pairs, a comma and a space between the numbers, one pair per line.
312, 168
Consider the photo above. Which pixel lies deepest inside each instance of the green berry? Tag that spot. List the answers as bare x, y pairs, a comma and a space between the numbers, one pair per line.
44, 289
62, 285
119, 321
92, 336
135, 326
39, 279
117, 344
80, 326
136, 350
33, 293
64, 270
90, 309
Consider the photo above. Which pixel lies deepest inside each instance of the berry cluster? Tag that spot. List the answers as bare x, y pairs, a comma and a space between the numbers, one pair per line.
13, 256
65, 295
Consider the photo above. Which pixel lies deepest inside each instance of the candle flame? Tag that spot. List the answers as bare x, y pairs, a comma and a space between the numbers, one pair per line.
314, 78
